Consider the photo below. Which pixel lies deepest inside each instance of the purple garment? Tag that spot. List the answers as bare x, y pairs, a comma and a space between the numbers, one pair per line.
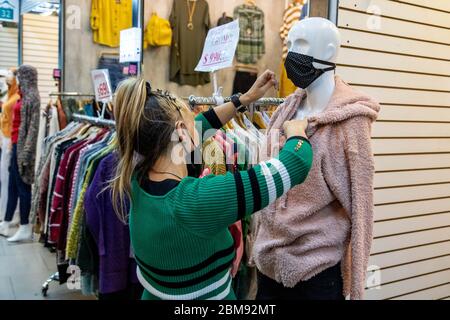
117, 268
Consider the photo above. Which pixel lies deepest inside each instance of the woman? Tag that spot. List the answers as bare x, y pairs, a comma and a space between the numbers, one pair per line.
6, 127
179, 224
24, 134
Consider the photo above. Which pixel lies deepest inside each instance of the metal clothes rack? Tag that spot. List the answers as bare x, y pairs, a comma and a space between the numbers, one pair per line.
194, 101
71, 94
94, 120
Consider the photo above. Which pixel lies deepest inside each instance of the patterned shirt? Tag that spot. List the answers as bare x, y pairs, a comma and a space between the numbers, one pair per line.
251, 46
292, 14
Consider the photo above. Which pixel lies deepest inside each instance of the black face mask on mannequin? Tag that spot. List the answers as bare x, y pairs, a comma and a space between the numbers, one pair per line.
301, 71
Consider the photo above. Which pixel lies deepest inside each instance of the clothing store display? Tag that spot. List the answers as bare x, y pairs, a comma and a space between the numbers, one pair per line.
224, 19
29, 122
49, 124
329, 217
301, 70
165, 271
251, 45
115, 69
7, 110
108, 18
112, 236
17, 190
187, 44
243, 81
6, 122
76, 214
291, 15
327, 285
158, 32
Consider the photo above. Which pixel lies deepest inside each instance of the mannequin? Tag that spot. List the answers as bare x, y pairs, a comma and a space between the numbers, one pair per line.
303, 38
314, 242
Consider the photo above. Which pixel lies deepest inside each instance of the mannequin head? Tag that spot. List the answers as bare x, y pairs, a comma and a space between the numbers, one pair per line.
317, 37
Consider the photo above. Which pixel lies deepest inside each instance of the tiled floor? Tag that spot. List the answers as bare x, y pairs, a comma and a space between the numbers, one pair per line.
24, 268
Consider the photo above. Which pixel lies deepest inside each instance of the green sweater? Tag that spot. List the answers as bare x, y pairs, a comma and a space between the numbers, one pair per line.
181, 240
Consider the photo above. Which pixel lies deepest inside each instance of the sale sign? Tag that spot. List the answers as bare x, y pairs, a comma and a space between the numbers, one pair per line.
102, 85
220, 47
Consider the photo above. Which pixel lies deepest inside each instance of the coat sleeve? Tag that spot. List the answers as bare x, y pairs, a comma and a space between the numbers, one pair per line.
361, 172
29, 148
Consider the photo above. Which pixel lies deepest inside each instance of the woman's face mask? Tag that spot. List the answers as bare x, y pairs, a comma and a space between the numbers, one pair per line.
301, 71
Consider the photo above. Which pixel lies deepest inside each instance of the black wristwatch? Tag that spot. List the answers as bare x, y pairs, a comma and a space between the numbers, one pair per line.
235, 99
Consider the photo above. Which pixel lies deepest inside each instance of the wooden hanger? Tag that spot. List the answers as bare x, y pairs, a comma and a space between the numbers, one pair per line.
108, 53
251, 2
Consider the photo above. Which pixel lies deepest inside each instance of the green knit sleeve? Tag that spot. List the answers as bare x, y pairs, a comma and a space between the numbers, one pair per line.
211, 203
207, 123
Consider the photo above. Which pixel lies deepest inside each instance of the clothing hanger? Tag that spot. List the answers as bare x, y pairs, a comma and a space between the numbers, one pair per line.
108, 53
251, 3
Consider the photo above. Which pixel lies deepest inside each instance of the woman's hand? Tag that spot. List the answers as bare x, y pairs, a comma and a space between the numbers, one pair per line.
295, 128
259, 88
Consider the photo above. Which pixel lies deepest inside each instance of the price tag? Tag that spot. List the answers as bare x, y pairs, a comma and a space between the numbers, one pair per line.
102, 85
220, 47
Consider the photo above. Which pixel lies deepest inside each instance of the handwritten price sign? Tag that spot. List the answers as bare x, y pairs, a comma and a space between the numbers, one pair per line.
220, 47
102, 85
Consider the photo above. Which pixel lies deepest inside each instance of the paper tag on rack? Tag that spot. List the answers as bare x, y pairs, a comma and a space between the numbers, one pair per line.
130, 45
102, 85
220, 47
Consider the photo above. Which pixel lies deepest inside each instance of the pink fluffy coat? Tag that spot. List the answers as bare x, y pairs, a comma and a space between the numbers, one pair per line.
328, 218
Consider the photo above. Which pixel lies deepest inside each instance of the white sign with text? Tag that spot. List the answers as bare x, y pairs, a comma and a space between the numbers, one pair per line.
130, 45
102, 85
220, 47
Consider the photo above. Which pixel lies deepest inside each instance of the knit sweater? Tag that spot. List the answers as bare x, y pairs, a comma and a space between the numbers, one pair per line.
327, 219
181, 240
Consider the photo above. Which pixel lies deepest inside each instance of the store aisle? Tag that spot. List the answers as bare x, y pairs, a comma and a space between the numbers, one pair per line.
23, 270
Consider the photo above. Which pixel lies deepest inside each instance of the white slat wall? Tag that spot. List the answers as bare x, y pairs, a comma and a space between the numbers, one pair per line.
9, 48
40, 49
405, 64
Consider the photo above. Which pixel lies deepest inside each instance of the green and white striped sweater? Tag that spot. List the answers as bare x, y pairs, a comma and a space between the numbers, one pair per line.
181, 240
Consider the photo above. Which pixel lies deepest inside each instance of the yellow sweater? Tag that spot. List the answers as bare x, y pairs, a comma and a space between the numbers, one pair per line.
7, 113
108, 18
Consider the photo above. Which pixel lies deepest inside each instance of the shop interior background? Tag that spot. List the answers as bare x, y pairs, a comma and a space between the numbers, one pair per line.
155, 70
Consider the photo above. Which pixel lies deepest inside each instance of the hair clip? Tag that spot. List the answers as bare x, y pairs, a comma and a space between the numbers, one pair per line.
148, 88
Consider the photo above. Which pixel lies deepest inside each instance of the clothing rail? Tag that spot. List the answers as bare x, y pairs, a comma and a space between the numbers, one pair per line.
193, 101
94, 120
70, 94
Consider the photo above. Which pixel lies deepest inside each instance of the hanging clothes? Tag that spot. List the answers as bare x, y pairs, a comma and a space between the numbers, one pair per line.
224, 19
187, 43
291, 15
243, 81
108, 18
251, 45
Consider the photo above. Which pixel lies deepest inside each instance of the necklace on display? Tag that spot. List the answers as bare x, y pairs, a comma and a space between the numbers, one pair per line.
191, 12
169, 173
